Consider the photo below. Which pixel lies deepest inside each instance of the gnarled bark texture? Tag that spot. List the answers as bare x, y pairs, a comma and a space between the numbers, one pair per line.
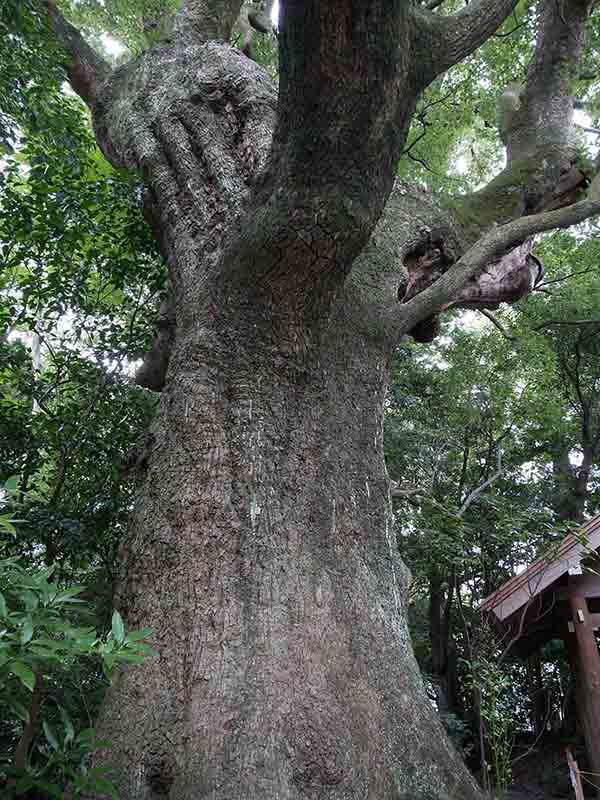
261, 550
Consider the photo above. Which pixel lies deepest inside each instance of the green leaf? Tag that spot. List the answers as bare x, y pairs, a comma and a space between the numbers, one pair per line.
3, 608
23, 672
86, 736
12, 484
51, 738
31, 600
19, 709
68, 593
142, 649
69, 729
27, 632
6, 523
118, 628
137, 636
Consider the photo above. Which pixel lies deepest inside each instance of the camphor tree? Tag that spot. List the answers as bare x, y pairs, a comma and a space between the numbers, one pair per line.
261, 549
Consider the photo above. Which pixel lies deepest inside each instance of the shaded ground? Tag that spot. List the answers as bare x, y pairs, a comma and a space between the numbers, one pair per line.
542, 773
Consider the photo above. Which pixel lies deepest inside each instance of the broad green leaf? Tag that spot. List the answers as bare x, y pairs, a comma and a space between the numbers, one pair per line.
50, 736
19, 709
6, 523
11, 485
27, 632
137, 636
24, 673
68, 725
118, 628
31, 600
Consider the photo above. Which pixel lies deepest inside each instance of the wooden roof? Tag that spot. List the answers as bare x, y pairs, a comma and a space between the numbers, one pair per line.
517, 591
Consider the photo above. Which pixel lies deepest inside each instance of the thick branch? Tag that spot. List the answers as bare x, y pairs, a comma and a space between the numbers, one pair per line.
345, 101
446, 41
559, 42
535, 124
86, 69
207, 20
545, 112
491, 247
153, 371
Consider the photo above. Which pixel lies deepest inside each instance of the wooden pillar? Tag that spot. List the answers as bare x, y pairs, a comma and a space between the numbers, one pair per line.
584, 650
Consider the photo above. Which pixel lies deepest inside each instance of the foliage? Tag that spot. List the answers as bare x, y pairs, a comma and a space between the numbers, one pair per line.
80, 282
490, 684
30, 70
42, 638
450, 405
453, 144
137, 25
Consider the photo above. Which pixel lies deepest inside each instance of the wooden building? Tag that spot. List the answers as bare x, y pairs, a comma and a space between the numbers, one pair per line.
558, 597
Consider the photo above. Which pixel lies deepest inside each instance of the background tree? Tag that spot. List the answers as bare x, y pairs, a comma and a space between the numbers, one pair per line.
449, 402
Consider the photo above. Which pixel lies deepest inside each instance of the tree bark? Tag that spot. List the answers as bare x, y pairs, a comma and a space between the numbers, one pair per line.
261, 551
262, 555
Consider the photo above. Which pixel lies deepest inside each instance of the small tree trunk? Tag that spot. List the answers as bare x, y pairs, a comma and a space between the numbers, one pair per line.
443, 656
572, 485
31, 726
263, 557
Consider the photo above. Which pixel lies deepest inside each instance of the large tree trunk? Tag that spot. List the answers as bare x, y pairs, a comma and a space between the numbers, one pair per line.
263, 557
261, 551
